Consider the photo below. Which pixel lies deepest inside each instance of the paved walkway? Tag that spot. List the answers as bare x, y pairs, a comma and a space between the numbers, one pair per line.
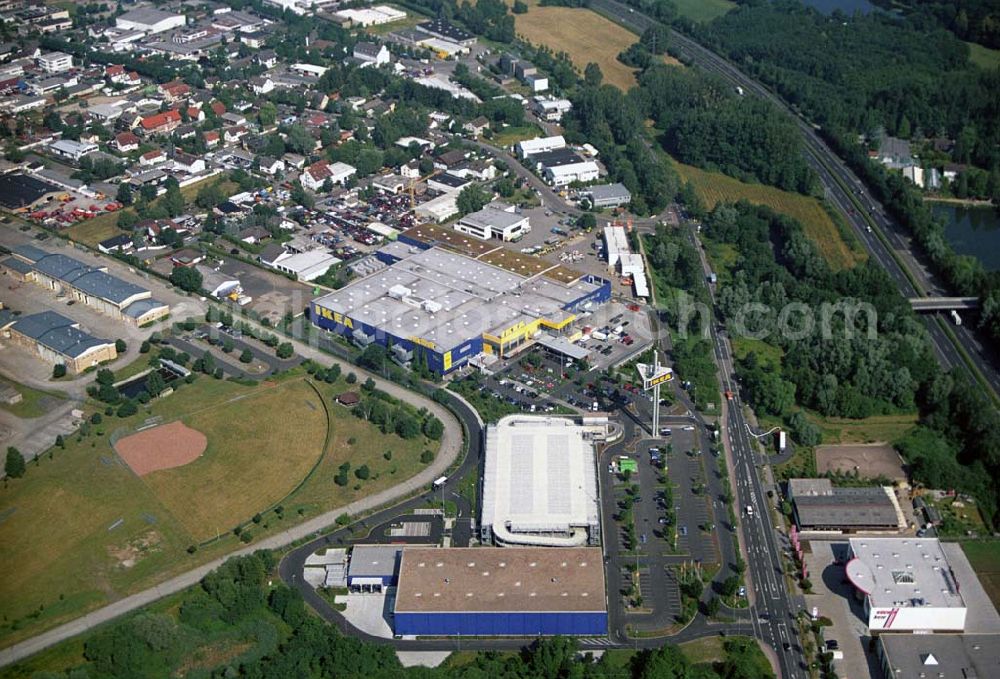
451, 446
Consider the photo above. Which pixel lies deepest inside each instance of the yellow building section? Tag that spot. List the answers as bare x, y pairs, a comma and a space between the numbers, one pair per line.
520, 332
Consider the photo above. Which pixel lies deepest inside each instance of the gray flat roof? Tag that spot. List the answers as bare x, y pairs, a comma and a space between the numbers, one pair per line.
952, 656
17, 265
369, 561
147, 15
606, 191
490, 579
896, 572
490, 217
58, 333
88, 279
562, 346
446, 298
138, 308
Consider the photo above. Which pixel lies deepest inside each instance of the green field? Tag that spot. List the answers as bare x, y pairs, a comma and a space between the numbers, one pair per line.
819, 226
33, 403
81, 530
984, 555
703, 10
984, 57
868, 430
510, 135
767, 354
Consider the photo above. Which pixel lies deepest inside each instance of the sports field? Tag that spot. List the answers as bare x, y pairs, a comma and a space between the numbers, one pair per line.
82, 529
715, 187
585, 36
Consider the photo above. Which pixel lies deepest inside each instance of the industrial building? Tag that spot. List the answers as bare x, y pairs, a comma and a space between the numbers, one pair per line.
92, 286
540, 481
906, 584
947, 656
819, 506
530, 147
494, 222
447, 297
621, 259
449, 32
372, 568
55, 62
608, 195
149, 20
58, 340
562, 167
501, 592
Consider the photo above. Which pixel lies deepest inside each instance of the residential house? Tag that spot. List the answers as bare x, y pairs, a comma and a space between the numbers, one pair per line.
153, 157
261, 84
319, 172
174, 90
161, 123
126, 142
368, 53
211, 139
477, 126
270, 166
185, 162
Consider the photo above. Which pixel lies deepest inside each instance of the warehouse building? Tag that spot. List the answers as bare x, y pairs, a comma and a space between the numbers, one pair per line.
444, 297
561, 167
501, 592
540, 481
530, 147
947, 656
442, 29
906, 584
820, 507
92, 286
372, 568
58, 340
149, 20
608, 195
493, 222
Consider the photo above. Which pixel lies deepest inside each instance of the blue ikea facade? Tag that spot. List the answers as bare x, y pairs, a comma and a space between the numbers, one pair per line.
507, 624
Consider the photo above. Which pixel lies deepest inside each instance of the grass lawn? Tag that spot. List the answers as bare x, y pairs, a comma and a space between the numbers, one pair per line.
868, 430
81, 530
33, 403
984, 555
584, 35
984, 57
704, 650
703, 10
820, 227
260, 445
510, 135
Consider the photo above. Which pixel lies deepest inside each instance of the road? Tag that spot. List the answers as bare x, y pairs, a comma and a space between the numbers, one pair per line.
843, 188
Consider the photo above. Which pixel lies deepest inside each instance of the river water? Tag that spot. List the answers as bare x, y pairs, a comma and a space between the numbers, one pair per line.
972, 231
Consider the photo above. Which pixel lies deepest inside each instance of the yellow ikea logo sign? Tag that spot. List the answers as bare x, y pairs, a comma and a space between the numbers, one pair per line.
424, 343
447, 361
338, 318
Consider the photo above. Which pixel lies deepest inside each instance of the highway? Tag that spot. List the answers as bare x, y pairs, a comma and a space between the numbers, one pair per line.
844, 190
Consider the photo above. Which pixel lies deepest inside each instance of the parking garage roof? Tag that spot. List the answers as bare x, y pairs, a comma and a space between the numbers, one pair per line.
494, 580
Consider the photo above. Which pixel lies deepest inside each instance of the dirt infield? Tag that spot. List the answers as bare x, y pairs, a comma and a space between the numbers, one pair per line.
870, 460
164, 447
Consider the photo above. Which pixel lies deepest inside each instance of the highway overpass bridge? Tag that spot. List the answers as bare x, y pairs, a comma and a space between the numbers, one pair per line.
930, 304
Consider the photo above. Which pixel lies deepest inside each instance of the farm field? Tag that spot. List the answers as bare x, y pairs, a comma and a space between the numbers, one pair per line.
33, 403
584, 35
715, 187
984, 555
81, 529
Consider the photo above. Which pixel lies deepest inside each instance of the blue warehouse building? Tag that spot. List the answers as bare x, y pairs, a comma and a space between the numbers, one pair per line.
501, 592
446, 298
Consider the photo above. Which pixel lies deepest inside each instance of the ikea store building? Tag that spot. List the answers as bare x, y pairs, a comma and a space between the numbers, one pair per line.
451, 297
515, 591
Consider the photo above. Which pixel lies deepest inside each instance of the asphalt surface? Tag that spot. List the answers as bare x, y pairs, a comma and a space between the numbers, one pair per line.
847, 192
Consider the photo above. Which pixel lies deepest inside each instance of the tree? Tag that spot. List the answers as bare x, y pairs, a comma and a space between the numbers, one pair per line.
285, 350
186, 278
427, 457
155, 384
472, 199
592, 75
433, 428
127, 409
363, 472
120, 346
144, 347
729, 586
520, 7
15, 466
586, 221
60, 441
124, 195
246, 356
58, 370
351, 378
173, 200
